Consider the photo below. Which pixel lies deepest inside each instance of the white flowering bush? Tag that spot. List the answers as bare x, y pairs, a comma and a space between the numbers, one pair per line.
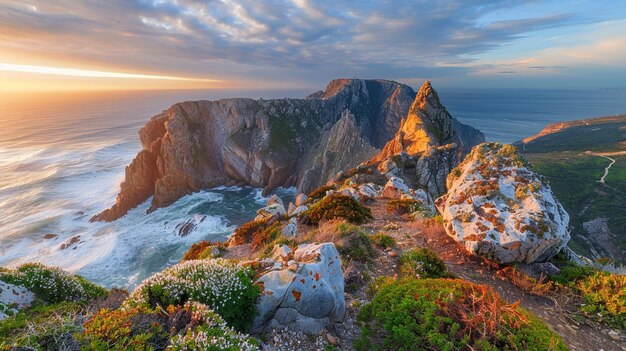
211, 334
51, 284
225, 287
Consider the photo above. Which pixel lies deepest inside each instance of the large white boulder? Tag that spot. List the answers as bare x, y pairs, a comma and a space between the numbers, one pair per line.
304, 292
395, 188
499, 209
13, 298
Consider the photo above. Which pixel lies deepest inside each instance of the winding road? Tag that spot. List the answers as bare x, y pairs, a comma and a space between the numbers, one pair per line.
606, 170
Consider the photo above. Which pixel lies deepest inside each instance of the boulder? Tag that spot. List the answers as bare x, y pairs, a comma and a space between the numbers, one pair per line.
395, 188
270, 211
349, 191
298, 211
291, 229
499, 209
369, 190
274, 199
291, 208
306, 294
13, 298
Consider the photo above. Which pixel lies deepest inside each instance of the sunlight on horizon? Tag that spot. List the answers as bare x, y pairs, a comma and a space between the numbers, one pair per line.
24, 78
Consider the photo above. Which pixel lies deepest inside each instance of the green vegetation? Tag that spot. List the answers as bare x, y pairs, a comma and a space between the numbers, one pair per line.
319, 193
358, 246
203, 250
220, 284
383, 240
53, 285
42, 327
189, 327
337, 206
604, 293
444, 314
404, 206
422, 263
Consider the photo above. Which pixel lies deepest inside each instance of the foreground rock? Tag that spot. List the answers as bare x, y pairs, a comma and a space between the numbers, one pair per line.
264, 143
302, 290
13, 298
499, 209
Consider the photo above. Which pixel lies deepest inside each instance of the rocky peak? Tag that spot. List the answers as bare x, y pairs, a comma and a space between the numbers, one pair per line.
428, 124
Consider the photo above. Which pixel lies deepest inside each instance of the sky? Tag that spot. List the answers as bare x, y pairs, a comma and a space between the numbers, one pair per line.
278, 44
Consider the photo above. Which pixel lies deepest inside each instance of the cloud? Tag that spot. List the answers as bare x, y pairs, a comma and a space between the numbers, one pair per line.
248, 40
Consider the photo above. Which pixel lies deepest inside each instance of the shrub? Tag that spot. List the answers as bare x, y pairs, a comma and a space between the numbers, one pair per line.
358, 246
204, 249
42, 327
267, 235
605, 297
246, 232
337, 206
319, 193
222, 285
422, 263
212, 335
53, 285
383, 240
378, 283
130, 328
404, 206
445, 314
571, 273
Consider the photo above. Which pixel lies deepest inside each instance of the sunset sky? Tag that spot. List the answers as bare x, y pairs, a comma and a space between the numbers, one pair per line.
253, 44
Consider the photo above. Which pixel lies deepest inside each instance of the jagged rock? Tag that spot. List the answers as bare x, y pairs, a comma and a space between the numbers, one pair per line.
71, 242
428, 145
282, 253
499, 209
301, 199
369, 190
290, 209
395, 188
308, 297
274, 199
350, 191
299, 210
13, 298
270, 211
291, 229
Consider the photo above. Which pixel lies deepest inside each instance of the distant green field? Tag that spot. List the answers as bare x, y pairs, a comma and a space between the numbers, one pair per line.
565, 159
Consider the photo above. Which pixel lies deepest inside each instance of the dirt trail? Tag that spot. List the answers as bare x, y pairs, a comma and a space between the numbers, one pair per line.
579, 333
606, 170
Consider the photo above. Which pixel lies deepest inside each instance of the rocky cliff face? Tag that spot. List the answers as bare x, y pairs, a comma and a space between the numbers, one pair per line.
428, 145
262, 143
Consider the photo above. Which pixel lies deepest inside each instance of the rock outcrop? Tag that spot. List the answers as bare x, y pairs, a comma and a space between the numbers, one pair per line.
302, 290
13, 298
428, 144
266, 143
499, 209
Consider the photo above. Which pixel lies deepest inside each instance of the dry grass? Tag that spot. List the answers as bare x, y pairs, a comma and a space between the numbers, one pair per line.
527, 284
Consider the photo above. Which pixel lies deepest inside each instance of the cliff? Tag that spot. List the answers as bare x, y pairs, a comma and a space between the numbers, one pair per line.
262, 143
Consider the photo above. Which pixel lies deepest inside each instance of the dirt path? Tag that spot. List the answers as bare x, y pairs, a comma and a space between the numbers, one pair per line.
606, 170
559, 313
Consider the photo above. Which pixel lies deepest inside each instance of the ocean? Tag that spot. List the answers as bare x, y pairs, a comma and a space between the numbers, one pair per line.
62, 158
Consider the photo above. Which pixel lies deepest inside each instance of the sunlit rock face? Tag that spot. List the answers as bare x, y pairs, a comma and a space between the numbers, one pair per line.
273, 143
499, 209
428, 144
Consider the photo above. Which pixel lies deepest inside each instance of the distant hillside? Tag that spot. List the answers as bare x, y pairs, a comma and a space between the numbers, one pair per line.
585, 163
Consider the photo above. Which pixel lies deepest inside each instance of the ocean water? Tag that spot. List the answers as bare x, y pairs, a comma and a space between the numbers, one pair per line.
62, 158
